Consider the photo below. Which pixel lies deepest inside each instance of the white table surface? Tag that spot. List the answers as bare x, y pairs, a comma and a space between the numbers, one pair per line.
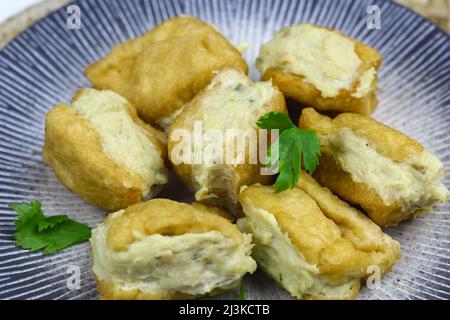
9, 8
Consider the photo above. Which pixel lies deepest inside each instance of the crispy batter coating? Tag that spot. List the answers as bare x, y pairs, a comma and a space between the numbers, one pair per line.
337, 239
113, 291
112, 243
296, 87
74, 151
219, 185
389, 144
214, 210
164, 69
167, 218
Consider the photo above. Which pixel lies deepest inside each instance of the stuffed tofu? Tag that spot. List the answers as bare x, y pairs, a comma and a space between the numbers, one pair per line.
322, 68
102, 151
164, 69
312, 243
162, 250
389, 175
229, 107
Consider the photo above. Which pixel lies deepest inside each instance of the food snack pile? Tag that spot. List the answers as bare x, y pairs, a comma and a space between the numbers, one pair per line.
188, 80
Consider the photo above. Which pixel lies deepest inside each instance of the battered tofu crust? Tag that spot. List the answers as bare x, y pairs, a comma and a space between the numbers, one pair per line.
167, 218
388, 143
299, 89
337, 242
163, 218
224, 187
113, 291
164, 69
73, 150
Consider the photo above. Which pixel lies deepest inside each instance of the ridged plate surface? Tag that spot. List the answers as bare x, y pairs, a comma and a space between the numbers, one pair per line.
44, 66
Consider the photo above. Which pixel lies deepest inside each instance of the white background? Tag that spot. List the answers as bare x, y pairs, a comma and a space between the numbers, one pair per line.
9, 8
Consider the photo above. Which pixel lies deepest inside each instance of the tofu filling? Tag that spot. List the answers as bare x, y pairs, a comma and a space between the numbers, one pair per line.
417, 181
325, 59
122, 140
277, 256
366, 83
232, 102
166, 122
194, 264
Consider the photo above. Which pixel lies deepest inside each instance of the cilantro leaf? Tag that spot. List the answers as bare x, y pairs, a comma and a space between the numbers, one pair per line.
275, 121
27, 212
296, 148
50, 222
242, 295
63, 235
36, 232
310, 145
290, 159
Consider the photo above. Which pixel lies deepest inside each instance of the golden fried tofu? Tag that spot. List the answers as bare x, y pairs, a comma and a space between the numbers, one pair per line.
231, 104
162, 250
312, 243
103, 152
389, 175
322, 68
165, 68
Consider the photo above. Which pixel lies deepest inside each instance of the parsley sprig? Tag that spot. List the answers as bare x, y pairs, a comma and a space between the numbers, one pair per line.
242, 294
35, 231
296, 147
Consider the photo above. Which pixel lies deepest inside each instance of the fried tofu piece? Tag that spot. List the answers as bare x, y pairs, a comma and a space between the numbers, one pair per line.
165, 68
165, 250
312, 243
103, 152
322, 68
389, 175
231, 102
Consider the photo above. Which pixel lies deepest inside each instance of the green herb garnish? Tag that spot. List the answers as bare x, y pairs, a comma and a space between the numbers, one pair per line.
297, 148
35, 231
242, 295
239, 87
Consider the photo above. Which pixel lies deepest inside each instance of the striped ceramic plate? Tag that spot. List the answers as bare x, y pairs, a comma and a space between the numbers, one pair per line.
44, 66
